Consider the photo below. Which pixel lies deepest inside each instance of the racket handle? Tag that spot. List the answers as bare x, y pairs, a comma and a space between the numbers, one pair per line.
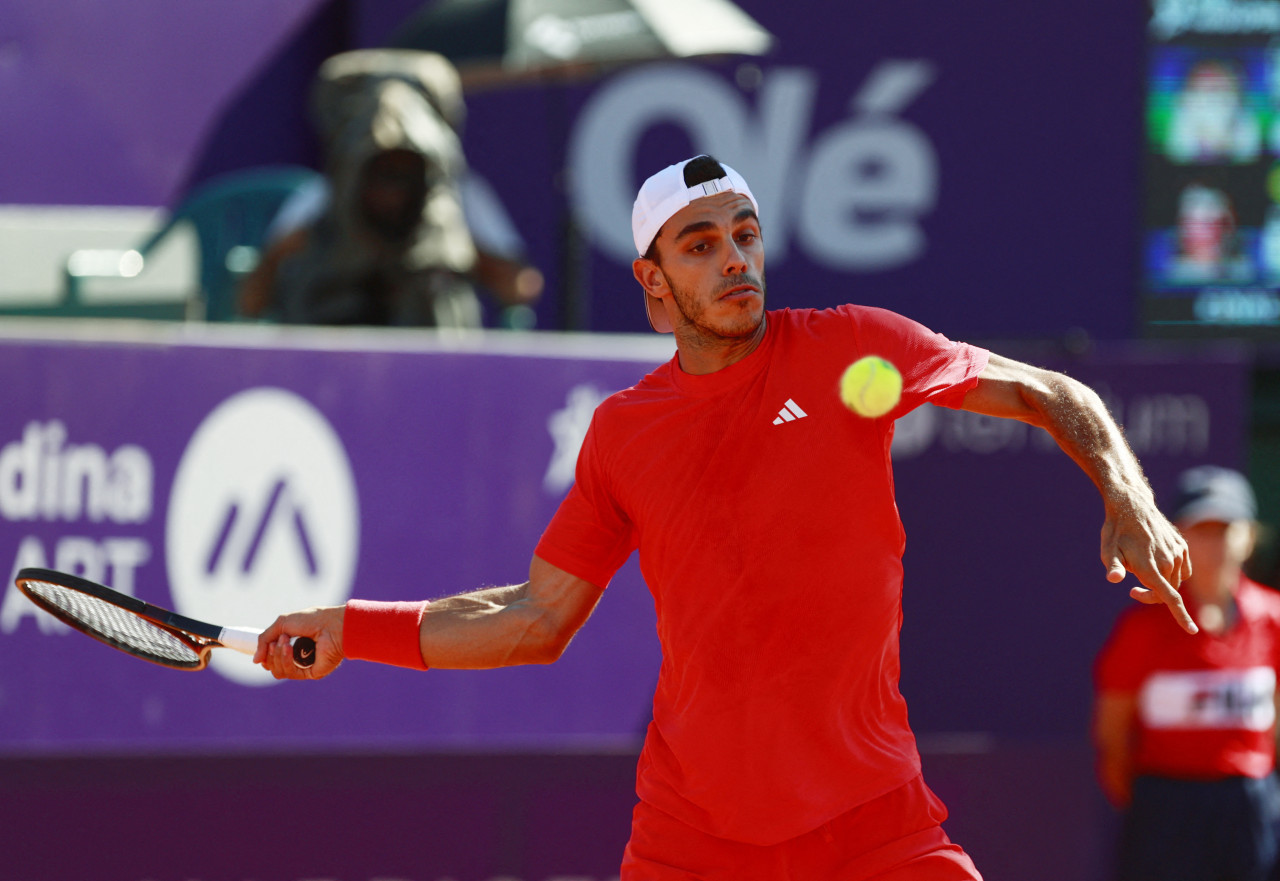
245, 640
304, 650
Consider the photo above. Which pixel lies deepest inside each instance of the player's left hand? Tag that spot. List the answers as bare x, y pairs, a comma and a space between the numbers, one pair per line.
1137, 538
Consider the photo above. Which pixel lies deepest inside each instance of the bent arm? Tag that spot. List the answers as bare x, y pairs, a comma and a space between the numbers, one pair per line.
513, 282
530, 623
1135, 535
1114, 713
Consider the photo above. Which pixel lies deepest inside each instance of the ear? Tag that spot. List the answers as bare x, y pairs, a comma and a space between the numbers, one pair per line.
651, 278
1253, 538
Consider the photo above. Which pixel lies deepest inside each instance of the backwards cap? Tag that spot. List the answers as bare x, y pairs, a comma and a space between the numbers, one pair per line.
664, 194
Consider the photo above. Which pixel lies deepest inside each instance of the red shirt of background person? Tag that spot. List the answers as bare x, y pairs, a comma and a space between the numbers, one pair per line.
1203, 707
701, 266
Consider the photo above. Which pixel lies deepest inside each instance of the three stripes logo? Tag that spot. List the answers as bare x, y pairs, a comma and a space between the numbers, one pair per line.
790, 412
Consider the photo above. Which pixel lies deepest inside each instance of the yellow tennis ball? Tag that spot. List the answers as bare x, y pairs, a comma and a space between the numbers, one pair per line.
871, 386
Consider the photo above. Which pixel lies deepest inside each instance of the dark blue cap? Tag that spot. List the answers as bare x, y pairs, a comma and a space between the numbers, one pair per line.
1213, 493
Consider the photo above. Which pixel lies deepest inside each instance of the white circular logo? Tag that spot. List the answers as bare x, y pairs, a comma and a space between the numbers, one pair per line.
263, 518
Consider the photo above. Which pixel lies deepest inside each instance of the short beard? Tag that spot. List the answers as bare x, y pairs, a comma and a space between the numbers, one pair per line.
744, 327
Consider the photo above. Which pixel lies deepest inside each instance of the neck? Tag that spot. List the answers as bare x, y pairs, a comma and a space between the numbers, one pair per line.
701, 353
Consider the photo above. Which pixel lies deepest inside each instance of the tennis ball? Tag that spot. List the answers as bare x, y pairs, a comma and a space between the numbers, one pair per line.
871, 386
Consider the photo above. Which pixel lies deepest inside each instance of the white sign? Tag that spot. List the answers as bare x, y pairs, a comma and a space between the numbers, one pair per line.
852, 195
263, 518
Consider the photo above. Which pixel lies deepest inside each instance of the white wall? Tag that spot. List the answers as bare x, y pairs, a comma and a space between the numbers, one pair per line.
36, 240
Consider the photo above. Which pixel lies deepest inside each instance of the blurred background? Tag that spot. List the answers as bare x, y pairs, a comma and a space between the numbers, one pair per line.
197, 386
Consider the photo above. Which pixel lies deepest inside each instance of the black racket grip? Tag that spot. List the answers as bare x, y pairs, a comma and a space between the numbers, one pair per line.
304, 651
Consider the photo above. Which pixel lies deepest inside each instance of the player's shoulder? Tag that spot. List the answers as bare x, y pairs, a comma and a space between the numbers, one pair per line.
810, 322
857, 318
844, 312
654, 387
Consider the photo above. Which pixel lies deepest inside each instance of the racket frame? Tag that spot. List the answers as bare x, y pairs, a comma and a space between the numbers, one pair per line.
200, 636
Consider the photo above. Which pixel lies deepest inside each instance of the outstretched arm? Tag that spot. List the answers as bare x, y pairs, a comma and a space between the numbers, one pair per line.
530, 623
1135, 535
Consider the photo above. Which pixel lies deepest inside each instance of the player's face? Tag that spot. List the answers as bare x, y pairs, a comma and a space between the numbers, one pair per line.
711, 258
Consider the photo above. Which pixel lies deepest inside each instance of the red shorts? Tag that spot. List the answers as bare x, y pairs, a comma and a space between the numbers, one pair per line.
897, 837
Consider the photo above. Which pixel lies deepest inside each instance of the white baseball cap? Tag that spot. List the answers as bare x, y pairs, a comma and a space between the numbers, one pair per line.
660, 197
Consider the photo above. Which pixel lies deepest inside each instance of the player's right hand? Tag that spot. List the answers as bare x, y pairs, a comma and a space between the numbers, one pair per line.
324, 625
1137, 538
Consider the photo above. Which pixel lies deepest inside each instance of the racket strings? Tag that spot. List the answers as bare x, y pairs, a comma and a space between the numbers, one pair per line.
115, 625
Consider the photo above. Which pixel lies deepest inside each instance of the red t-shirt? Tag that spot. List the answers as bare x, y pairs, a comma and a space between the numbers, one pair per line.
1205, 703
768, 534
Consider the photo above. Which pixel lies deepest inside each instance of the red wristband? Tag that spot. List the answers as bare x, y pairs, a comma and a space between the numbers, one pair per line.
387, 633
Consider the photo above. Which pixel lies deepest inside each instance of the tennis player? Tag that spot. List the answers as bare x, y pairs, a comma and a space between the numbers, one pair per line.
779, 746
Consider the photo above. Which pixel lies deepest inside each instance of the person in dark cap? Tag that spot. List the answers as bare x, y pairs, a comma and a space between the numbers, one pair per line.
387, 240
1185, 725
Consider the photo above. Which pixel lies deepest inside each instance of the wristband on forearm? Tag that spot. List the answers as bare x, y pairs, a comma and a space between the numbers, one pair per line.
387, 633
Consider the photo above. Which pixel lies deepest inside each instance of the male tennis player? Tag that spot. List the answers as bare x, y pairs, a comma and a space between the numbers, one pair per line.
779, 746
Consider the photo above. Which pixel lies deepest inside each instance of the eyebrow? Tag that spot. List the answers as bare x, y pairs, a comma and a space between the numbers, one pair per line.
703, 225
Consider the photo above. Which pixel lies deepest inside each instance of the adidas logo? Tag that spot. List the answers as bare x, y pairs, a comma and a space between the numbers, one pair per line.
790, 412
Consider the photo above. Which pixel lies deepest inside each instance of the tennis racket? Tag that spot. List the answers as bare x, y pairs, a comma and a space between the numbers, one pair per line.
141, 629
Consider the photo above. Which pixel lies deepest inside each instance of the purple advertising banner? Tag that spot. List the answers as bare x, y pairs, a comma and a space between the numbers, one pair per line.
234, 474
235, 481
